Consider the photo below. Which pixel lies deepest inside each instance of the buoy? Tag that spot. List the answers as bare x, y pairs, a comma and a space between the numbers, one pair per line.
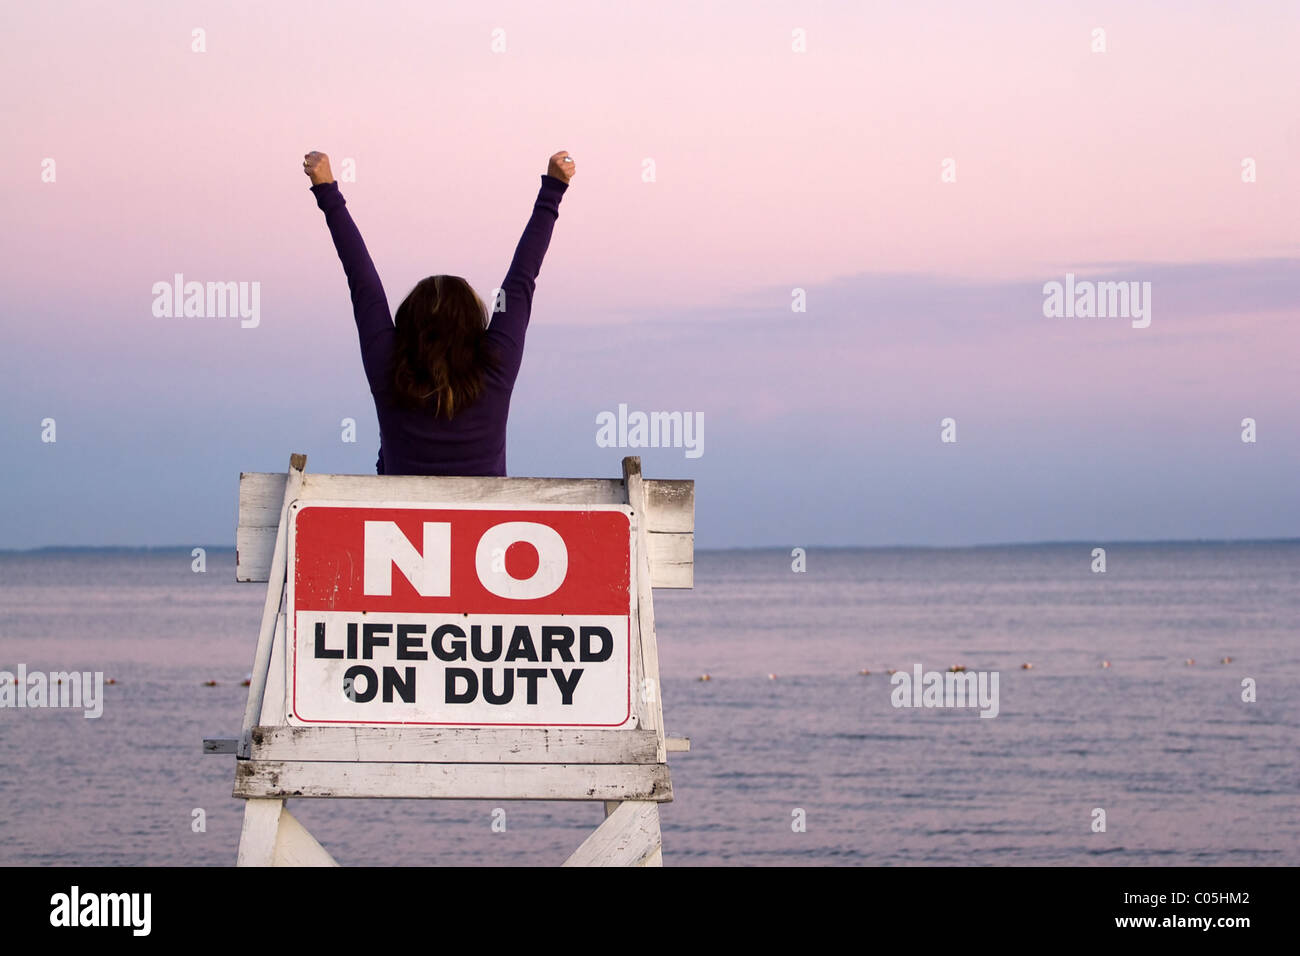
245, 682
771, 677
956, 668
1026, 666
111, 680
1226, 660
209, 683
706, 677
1189, 662
892, 670
1105, 663
864, 673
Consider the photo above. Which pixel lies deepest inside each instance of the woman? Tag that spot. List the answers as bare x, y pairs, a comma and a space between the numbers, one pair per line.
442, 375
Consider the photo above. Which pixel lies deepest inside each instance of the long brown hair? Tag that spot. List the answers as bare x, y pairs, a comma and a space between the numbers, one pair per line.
440, 351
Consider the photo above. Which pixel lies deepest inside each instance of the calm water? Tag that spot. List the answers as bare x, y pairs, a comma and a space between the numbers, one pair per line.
1186, 771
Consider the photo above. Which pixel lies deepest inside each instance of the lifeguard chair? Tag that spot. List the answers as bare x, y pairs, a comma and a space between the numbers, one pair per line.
342, 704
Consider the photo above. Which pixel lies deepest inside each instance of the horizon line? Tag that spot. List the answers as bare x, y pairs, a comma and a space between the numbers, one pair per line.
1095, 542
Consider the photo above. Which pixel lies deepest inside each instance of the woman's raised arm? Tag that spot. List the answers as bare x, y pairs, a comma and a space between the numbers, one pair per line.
509, 325
369, 304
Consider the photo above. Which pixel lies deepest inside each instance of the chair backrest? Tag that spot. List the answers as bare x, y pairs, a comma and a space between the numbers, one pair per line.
670, 510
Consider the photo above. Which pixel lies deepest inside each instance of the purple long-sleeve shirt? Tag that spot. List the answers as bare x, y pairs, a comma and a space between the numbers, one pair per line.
415, 441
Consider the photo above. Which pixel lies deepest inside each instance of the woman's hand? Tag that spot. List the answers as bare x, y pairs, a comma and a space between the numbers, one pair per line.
561, 166
317, 166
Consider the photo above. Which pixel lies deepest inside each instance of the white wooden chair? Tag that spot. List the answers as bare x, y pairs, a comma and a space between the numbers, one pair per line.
625, 768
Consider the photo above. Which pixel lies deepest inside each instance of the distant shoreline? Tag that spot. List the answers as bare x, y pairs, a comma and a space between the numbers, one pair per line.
783, 548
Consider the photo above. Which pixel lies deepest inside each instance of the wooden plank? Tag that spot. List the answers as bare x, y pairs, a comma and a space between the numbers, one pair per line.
670, 502
670, 505
678, 745
452, 781
642, 715
630, 836
274, 597
652, 711
672, 560
669, 509
514, 745
257, 837
253, 553
273, 699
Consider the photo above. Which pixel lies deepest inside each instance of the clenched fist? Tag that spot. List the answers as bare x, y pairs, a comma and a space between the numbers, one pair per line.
561, 166
317, 166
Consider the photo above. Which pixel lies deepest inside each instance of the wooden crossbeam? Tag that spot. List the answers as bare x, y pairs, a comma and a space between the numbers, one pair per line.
453, 781
455, 745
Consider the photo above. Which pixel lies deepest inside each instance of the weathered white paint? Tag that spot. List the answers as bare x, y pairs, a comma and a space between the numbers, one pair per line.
274, 597
652, 708
630, 836
257, 838
453, 781
670, 506
455, 745
672, 559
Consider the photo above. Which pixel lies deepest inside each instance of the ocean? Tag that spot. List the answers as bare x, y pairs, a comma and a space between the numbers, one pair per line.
797, 758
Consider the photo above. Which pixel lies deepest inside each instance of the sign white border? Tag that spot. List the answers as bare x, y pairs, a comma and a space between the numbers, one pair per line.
290, 630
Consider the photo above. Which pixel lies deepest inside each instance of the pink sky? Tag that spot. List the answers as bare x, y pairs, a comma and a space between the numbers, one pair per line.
774, 170
772, 166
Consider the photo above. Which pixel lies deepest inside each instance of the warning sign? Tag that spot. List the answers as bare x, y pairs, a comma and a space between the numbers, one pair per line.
461, 616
